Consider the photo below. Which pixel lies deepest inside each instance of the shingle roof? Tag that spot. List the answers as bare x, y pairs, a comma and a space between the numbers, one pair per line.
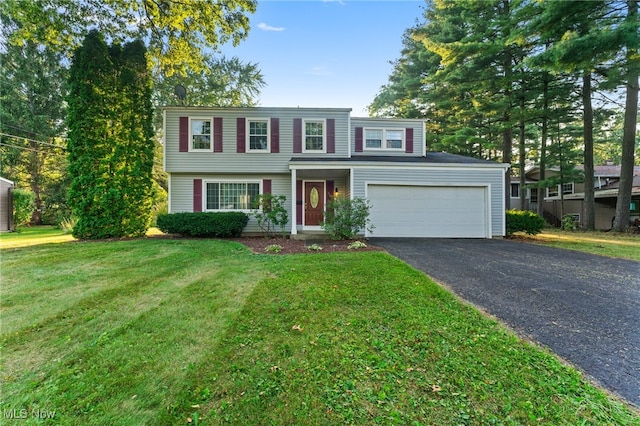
432, 157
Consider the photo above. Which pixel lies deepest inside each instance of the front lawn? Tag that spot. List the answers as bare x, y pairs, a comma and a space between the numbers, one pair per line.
156, 331
625, 246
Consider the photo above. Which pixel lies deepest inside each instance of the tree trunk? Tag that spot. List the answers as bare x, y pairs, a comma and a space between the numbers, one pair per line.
589, 204
623, 203
545, 135
522, 154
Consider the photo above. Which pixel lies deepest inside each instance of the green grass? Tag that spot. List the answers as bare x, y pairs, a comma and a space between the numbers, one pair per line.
33, 236
156, 331
603, 243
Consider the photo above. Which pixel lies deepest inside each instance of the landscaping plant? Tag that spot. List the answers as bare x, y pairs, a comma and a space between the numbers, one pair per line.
271, 214
345, 217
110, 139
524, 221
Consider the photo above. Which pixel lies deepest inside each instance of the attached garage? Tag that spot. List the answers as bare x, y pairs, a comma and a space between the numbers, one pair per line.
429, 211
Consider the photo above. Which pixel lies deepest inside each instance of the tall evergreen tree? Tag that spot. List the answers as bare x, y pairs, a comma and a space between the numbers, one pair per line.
110, 139
632, 43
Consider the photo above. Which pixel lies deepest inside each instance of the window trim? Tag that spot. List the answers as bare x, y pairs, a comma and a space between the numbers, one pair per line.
324, 135
248, 135
383, 143
205, 183
190, 140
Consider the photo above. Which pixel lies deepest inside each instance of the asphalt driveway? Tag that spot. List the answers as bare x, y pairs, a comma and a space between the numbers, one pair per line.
585, 308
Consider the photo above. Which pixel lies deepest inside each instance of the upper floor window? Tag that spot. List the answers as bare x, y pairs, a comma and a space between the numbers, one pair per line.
554, 191
567, 188
201, 134
231, 195
384, 139
314, 136
258, 135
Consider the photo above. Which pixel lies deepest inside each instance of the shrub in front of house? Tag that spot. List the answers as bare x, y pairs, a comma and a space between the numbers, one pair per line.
345, 217
219, 224
524, 221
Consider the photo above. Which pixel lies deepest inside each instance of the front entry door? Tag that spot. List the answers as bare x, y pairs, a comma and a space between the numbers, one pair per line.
313, 203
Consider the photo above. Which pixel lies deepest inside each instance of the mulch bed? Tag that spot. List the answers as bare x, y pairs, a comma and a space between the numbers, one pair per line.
289, 246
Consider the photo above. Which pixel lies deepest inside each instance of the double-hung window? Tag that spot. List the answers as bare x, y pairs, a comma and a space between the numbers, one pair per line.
231, 195
567, 188
314, 136
384, 139
258, 135
201, 134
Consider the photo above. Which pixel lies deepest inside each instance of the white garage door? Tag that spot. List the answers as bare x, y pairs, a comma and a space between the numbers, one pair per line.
428, 211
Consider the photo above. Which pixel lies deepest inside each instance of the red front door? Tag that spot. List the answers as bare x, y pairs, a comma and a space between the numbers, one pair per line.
313, 203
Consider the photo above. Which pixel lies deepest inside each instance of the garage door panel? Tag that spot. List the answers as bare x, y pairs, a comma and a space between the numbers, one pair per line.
428, 211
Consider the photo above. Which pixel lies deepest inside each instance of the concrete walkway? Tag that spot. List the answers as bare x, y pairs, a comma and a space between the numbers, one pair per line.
585, 308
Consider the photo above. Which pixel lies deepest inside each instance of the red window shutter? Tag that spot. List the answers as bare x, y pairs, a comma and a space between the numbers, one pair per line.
299, 202
331, 135
183, 135
197, 195
409, 142
241, 136
330, 188
275, 135
358, 139
217, 134
266, 186
297, 135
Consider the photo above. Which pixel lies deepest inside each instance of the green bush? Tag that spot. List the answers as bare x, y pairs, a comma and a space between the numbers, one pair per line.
524, 221
270, 213
346, 217
219, 224
23, 205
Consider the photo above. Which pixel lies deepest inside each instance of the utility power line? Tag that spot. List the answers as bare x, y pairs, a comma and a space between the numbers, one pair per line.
32, 140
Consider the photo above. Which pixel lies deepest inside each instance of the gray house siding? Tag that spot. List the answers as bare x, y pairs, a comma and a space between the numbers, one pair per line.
417, 126
6, 210
181, 190
229, 160
434, 176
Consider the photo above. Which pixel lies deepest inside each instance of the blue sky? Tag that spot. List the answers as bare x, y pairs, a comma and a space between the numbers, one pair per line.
315, 53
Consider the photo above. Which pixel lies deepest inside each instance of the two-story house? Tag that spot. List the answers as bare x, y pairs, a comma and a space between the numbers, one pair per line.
220, 158
568, 198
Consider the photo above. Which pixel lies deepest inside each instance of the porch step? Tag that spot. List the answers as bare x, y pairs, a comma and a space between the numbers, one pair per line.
310, 236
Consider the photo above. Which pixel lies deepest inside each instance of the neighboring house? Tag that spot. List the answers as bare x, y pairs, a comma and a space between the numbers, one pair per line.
6, 205
606, 180
220, 158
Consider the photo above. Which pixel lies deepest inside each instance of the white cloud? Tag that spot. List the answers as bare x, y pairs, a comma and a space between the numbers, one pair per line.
321, 71
265, 27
